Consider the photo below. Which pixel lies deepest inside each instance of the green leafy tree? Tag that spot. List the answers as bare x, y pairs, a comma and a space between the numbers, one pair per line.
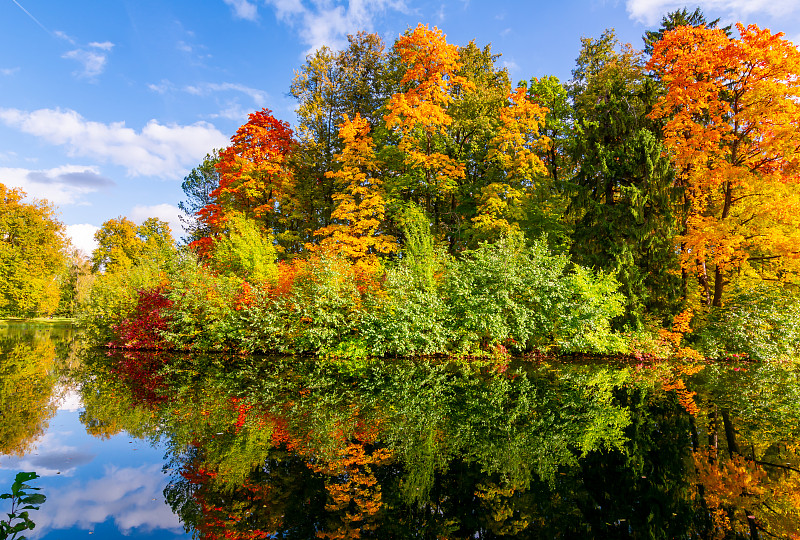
197, 187
121, 243
118, 246
245, 251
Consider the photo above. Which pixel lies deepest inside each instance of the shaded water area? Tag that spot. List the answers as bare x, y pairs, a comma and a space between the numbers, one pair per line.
146, 445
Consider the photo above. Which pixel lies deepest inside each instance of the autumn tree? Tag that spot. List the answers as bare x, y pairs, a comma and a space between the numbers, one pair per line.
514, 151
117, 245
255, 180
32, 255
121, 243
327, 86
731, 108
418, 114
360, 205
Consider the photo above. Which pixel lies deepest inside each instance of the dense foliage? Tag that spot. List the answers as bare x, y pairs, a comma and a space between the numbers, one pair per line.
426, 205
32, 256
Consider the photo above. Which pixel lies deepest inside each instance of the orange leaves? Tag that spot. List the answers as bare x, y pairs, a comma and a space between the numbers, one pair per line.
735, 483
353, 491
731, 109
430, 79
432, 65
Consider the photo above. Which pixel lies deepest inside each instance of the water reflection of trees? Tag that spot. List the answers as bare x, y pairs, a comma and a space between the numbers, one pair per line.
291, 448
31, 364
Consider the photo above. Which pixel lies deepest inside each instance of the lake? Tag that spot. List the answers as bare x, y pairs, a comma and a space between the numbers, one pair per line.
150, 445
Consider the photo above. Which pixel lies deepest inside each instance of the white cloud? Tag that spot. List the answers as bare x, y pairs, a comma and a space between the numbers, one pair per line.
511, 66
50, 455
327, 22
104, 45
131, 497
166, 151
232, 111
93, 63
162, 87
70, 400
9, 71
63, 35
650, 12
184, 47
93, 58
243, 9
81, 235
259, 97
63, 185
165, 212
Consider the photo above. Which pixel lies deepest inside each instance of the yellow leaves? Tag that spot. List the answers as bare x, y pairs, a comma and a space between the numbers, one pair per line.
360, 206
516, 143
498, 204
514, 150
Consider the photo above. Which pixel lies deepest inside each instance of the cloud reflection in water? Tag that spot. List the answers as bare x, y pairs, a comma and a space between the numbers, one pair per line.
131, 497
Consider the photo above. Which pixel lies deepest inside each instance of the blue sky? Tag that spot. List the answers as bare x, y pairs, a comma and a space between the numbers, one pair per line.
106, 106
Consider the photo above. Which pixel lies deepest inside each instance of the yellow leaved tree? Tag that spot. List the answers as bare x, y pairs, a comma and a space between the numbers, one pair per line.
360, 205
515, 149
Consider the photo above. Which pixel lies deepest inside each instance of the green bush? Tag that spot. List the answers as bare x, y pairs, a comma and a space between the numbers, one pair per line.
522, 296
409, 320
762, 323
113, 297
203, 313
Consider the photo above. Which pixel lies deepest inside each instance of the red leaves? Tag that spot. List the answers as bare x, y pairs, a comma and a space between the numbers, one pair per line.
254, 175
142, 329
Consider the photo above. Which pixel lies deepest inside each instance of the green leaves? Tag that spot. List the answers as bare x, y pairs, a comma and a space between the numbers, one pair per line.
21, 500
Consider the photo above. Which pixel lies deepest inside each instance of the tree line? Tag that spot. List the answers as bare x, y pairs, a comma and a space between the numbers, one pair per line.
670, 171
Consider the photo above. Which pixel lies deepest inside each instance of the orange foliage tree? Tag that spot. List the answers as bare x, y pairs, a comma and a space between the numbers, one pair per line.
420, 112
360, 205
255, 178
731, 108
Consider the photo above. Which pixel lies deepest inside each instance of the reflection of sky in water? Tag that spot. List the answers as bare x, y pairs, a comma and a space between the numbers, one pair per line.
111, 487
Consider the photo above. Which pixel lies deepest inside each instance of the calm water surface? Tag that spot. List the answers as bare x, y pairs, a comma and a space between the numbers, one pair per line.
145, 445
106, 486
